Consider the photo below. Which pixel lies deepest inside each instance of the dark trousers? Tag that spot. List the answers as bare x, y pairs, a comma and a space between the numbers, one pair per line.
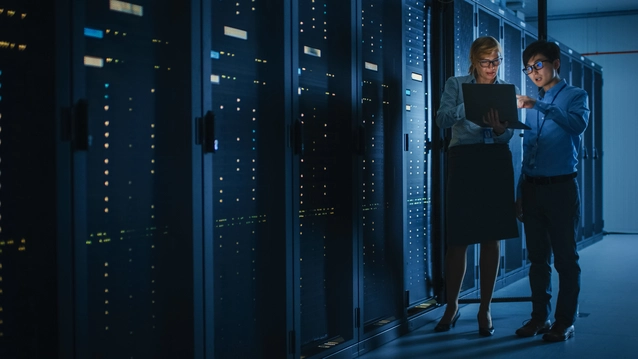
551, 215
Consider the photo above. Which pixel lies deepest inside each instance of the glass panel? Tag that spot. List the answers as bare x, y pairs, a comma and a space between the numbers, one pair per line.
416, 158
588, 174
247, 70
381, 292
597, 115
488, 24
577, 80
139, 183
463, 36
530, 89
512, 55
28, 304
326, 175
512, 65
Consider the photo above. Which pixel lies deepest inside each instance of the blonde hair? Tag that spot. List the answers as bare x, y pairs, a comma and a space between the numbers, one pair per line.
482, 46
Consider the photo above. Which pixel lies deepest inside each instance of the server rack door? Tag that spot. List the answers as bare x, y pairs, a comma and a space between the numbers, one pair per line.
488, 24
588, 174
577, 80
135, 279
251, 201
324, 48
416, 157
530, 89
512, 44
379, 150
465, 27
30, 221
597, 155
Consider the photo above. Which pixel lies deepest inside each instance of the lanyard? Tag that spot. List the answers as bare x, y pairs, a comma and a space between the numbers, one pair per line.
538, 135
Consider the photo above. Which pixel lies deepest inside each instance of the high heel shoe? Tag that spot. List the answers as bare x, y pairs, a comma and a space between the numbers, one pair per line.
444, 327
484, 332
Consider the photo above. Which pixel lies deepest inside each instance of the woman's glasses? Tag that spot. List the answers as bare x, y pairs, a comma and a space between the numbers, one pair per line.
486, 63
535, 66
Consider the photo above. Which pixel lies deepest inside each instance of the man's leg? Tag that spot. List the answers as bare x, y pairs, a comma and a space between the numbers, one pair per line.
538, 250
564, 221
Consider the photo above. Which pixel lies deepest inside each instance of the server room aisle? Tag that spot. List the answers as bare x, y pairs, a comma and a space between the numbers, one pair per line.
606, 327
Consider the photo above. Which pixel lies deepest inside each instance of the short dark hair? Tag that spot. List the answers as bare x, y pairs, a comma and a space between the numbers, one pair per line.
546, 48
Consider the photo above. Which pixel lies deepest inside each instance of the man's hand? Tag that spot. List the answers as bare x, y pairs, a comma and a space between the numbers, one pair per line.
525, 101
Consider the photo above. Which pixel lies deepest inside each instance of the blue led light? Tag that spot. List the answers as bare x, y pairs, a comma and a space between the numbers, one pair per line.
98, 34
214, 55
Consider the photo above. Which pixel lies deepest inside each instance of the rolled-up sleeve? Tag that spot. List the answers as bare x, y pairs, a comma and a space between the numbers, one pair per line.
572, 120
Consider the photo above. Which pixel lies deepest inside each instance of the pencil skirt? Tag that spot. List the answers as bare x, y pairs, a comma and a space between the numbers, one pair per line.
480, 201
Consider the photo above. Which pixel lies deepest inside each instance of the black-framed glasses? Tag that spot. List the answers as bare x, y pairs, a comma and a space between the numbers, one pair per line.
486, 63
535, 66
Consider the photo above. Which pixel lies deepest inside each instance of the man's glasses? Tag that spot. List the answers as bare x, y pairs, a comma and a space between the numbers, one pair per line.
535, 66
486, 63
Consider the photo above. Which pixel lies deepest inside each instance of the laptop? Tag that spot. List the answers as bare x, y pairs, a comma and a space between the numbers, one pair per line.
480, 98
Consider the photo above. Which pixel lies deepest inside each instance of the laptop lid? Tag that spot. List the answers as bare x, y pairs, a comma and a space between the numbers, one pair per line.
480, 98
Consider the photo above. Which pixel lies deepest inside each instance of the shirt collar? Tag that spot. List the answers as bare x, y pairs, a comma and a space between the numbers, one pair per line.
552, 91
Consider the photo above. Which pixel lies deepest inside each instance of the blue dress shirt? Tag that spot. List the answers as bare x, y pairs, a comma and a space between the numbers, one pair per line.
559, 117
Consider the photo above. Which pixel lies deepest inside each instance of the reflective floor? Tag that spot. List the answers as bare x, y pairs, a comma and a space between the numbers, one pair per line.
606, 327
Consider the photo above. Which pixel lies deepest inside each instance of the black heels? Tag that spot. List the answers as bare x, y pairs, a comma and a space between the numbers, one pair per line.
444, 327
484, 332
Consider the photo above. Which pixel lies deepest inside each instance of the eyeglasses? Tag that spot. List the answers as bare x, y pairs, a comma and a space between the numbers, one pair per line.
486, 63
535, 66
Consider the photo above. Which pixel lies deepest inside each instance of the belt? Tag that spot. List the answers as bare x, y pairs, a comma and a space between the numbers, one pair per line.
550, 180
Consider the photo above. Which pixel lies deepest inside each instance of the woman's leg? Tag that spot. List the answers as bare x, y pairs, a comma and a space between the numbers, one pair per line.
490, 253
455, 264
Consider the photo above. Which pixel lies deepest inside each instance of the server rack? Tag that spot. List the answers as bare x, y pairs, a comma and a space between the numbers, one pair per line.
582, 72
473, 18
378, 88
222, 190
247, 97
30, 175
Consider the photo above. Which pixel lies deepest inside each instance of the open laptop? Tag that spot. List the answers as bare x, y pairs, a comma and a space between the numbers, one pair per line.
480, 98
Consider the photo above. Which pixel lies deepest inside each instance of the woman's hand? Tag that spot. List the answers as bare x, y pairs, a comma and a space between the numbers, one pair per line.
491, 119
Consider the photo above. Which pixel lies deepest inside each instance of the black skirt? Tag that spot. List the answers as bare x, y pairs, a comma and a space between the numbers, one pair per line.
480, 203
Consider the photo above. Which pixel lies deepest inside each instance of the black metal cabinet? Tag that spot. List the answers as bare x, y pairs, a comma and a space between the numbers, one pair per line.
104, 180
473, 18
248, 92
138, 180
465, 30
597, 126
512, 42
580, 72
32, 168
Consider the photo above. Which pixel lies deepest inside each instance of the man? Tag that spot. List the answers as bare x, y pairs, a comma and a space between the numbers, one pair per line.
548, 199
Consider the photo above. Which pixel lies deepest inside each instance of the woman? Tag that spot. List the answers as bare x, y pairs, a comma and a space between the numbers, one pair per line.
480, 186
